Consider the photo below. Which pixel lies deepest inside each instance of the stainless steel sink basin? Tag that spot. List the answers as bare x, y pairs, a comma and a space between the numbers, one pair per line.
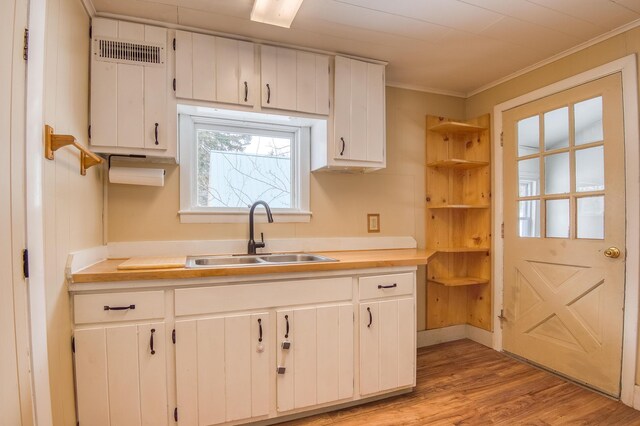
295, 258
250, 260
212, 261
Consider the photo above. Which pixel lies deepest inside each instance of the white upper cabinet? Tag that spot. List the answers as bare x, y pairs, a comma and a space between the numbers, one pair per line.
358, 136
129, 88
294, 80
214, 69
359, 111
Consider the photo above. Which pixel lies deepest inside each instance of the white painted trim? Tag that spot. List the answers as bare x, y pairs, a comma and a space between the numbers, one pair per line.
441, 335
454, 332
627, 67
636, 397
117, 250
35, 212
196, 216
624, 28
425, 89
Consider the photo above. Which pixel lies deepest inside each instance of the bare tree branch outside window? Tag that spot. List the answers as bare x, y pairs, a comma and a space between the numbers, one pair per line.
236, 169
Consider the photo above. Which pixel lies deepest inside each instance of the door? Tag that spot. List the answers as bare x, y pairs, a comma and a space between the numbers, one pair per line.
314, 355
121, 375
387, 345
564, 232
222, 368
15, 390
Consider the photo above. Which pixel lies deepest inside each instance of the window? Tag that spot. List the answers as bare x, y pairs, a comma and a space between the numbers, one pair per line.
232, 159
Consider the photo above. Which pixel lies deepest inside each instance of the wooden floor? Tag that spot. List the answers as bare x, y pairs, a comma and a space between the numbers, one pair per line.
465, 383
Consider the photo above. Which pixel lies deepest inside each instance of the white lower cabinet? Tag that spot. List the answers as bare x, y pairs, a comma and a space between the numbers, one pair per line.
244, 352
222, 368
121, 375
314, 355
387, 345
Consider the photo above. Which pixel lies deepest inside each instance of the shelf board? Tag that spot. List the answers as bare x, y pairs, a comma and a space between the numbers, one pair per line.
458, 164
460, 249
459, 281
456, 127
460, 206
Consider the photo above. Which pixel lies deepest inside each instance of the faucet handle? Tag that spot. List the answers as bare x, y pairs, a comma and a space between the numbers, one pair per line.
261, 244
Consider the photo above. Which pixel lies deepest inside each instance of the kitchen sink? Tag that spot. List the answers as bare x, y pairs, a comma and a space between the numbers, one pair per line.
254, 260
295, 258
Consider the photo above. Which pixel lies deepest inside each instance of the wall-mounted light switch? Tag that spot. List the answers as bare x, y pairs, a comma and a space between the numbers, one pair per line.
373, 222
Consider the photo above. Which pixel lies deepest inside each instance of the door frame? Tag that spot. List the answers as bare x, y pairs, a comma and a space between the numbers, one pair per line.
628, 69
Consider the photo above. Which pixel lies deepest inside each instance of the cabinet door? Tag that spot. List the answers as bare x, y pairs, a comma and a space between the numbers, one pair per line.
119, 380
246, 81
278, 70
222, 370
342, 108
228, 70
387, 345
318, 365
155, 96
375, 113
359, 111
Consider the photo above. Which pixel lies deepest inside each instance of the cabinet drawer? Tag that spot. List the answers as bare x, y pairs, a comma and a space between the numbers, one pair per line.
386, 286
130, 306
227, 298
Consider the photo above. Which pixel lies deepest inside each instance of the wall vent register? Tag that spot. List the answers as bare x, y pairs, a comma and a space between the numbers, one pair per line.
113, 50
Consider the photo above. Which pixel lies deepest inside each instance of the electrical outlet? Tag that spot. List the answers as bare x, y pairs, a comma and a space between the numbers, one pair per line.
373, 222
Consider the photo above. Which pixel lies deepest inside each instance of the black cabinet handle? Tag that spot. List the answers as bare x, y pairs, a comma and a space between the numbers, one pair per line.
156, 134
343, 146
268, 94
286, 334
153, 352
370, 318
246, 91
119, 308
260, 327
388, 286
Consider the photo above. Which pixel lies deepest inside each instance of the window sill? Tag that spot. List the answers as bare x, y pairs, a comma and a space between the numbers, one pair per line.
242, 216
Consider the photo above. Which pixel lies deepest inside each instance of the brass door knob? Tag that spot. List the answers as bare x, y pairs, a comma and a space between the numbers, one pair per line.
612, 252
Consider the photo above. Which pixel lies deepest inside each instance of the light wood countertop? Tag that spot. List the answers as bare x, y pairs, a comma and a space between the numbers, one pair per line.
107, 270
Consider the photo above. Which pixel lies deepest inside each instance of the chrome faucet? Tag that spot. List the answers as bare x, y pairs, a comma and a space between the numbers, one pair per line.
252, 246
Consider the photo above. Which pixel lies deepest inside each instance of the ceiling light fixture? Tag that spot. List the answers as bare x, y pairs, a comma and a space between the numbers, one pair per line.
275, 12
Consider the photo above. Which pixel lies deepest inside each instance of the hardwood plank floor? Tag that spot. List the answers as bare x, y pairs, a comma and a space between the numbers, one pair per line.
465, 383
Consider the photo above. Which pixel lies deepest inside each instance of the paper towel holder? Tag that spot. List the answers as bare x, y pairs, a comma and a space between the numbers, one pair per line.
164, 172
125, 156
53, 142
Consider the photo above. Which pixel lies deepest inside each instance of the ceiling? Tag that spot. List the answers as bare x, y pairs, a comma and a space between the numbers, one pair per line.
449, 46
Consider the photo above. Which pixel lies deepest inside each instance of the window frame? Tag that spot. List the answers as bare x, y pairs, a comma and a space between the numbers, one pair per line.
190, 212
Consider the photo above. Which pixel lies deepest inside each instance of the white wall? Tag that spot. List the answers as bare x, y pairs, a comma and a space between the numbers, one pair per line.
72, 203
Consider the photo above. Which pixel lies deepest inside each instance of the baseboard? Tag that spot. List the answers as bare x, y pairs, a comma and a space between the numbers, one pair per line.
636, 397
455, 332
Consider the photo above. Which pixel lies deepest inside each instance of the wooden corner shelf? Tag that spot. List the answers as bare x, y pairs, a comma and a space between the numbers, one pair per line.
459, 281
458, 222
456, 127
458, 164
460, 206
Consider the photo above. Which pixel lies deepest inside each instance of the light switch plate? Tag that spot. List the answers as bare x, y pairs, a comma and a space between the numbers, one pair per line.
373, 222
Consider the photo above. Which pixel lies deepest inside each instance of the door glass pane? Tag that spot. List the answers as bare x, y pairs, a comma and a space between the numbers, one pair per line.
528, 136
557, 218
591, 217
588, 121
556, 173
529, 177
590, 169
556, 129
529, 218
